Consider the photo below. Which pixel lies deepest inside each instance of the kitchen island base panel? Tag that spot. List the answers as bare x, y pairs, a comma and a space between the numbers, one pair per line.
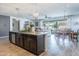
32, 43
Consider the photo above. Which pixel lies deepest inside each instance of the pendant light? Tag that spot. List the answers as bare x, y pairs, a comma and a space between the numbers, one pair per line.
35, 15
17, 12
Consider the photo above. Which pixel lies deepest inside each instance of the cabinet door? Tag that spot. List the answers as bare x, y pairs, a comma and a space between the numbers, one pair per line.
41, 43
32, 44
12, 37
21, 40
26, 42
17, 41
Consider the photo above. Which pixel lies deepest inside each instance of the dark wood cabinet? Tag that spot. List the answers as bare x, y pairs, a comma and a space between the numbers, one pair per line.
26, 42
21, 41
32, 43
17, 41
12, 37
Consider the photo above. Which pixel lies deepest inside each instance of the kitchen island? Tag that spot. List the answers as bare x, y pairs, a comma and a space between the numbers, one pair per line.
33, 42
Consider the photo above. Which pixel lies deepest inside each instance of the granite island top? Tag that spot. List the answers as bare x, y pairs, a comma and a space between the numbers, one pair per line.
31, 33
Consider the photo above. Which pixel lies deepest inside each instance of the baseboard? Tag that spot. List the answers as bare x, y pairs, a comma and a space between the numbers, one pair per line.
4, 36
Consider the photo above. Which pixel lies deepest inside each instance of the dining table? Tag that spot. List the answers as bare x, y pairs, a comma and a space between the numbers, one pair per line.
73, 36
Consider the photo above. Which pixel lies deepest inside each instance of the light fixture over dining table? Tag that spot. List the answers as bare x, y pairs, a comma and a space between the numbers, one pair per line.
35, 15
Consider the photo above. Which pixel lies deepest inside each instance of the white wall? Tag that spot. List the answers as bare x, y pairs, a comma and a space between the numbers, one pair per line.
73, 22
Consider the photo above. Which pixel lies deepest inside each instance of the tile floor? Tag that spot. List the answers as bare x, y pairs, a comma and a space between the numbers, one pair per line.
58, 47
55, 48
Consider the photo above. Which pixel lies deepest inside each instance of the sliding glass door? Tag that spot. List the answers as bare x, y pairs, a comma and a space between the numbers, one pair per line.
56, 25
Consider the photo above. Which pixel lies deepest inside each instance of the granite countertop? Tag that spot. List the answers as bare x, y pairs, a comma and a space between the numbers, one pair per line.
32, 33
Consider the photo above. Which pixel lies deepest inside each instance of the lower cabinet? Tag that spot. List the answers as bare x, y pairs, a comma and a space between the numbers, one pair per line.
12, 38
32, 43
26, 42
19, 40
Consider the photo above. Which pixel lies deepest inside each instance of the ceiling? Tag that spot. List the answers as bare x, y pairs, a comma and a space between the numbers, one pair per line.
43, 9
